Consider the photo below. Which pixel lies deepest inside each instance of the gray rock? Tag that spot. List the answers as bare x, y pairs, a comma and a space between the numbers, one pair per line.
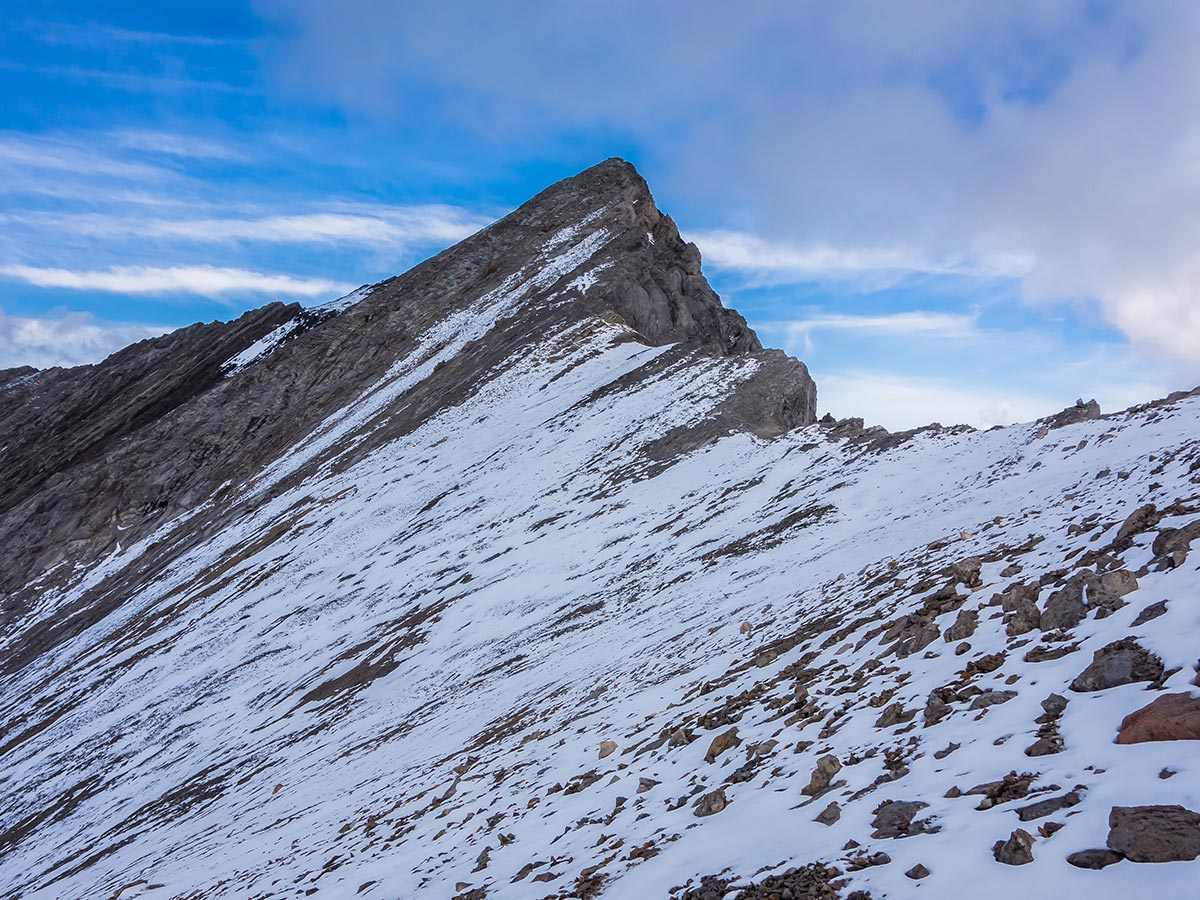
1094, 859
1150, 613
830, 814
897, 819
964, 626
1154, 833
1121, 662
1049, 806
1017, 850
726, 740
1065, 609
711, 803
1141, 519
992, 698
917, 872
826, 769
1105, 592
1082, 411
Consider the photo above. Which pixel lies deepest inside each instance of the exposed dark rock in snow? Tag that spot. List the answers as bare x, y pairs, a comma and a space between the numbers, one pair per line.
1121, 662
1154, 833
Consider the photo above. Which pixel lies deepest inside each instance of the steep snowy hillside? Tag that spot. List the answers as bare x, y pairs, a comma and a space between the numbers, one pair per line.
529, 574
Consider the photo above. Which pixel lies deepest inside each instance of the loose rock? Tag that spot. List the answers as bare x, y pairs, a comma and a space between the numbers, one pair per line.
1017, 850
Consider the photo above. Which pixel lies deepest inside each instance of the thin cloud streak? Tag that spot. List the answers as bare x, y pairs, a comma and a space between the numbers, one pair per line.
205, 281
777, 261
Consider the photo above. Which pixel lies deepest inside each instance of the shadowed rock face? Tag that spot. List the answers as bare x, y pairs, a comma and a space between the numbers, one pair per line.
104, 454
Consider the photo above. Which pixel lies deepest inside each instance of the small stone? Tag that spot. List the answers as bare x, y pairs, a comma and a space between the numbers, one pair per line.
645, 784
962, 648
607, 748
917, 872
1165, 773
1094, 859
1046, 746
829, 814
1017, 850
946, 751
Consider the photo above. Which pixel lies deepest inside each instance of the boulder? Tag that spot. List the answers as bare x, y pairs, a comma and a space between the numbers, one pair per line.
917, 872
1169, 717
1154, 833
1017, 850
607, 748
1121, 662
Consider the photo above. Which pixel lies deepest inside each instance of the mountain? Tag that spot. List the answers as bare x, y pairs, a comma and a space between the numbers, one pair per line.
530, 573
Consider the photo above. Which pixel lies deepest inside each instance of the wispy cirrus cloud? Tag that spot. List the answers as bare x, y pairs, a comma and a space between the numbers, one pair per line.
772, 262
205, 281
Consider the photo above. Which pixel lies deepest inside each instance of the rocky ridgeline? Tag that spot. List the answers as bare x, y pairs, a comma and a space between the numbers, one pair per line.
529, 574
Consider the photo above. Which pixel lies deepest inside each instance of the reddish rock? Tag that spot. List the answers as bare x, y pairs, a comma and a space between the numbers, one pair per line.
1171, 717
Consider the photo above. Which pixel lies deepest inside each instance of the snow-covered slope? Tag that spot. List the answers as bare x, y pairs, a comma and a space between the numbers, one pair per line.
564, 638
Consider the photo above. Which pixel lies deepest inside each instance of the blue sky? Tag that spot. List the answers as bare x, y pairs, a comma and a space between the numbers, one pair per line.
957, 212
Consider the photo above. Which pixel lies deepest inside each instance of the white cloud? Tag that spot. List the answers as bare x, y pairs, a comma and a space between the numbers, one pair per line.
207, 281
1052, 139
912, 323
766, 261
899, 401
178, 145
70, 339
395, 226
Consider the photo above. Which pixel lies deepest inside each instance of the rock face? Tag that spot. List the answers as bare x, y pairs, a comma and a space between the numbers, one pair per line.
1154, 833
1170, 717
1121, 662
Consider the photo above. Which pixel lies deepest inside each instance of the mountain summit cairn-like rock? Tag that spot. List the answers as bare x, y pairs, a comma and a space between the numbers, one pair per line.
529, 574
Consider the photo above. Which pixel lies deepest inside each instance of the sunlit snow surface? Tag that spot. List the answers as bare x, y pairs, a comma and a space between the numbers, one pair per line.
392, 667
